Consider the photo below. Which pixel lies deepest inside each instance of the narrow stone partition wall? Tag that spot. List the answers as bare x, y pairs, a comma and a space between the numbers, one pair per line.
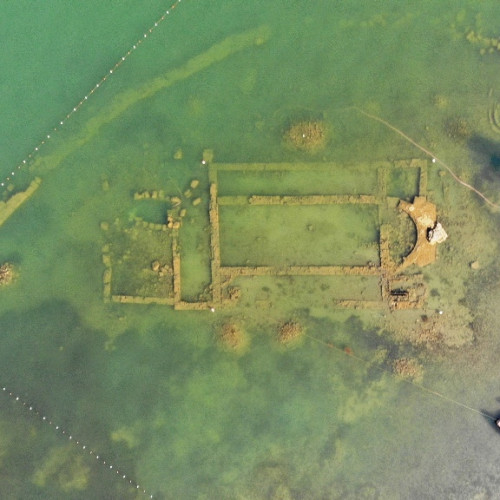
7, 208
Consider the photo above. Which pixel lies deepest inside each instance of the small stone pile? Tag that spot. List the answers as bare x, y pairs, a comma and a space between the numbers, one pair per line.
6, 273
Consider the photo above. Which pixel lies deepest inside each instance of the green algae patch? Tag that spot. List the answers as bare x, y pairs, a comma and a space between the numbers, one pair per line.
64, 467
361, 404
127, 435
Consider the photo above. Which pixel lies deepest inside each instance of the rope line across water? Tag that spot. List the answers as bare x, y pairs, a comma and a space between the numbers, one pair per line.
70, 437
434, 158
348, 352
13, 396
91, 92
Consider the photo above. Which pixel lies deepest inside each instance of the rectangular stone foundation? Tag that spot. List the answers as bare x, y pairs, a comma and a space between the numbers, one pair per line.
396, 291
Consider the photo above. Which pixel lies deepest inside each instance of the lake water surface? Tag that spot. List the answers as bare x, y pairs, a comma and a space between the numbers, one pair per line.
148, 388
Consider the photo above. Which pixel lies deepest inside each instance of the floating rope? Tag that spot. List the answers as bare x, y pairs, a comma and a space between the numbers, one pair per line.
79, 444
434, 158
348, 352
86, 97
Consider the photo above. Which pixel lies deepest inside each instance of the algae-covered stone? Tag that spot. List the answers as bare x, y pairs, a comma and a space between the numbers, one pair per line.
309, 136
231, 337
208, 156
106, 277
289, 332
408, 368
6, 273
7, 208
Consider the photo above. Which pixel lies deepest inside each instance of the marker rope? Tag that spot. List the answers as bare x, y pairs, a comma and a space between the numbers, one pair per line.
348, 352
26, 161
434, 158
91, 92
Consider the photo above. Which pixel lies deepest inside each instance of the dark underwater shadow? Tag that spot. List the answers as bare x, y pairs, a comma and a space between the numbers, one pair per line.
52, 360
49, 355
486, 153
491, 418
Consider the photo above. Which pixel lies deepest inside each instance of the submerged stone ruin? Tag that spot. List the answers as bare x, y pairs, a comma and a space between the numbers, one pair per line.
157, 249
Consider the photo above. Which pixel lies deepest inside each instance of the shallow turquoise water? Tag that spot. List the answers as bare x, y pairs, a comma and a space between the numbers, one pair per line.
145, 386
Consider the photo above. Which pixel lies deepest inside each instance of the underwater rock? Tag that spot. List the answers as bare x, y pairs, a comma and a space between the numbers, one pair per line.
289, 331
408, 368
306, 136
6, 273
231, 337
437, 234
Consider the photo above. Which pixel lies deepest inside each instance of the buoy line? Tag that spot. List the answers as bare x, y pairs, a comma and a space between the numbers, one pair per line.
85, 98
